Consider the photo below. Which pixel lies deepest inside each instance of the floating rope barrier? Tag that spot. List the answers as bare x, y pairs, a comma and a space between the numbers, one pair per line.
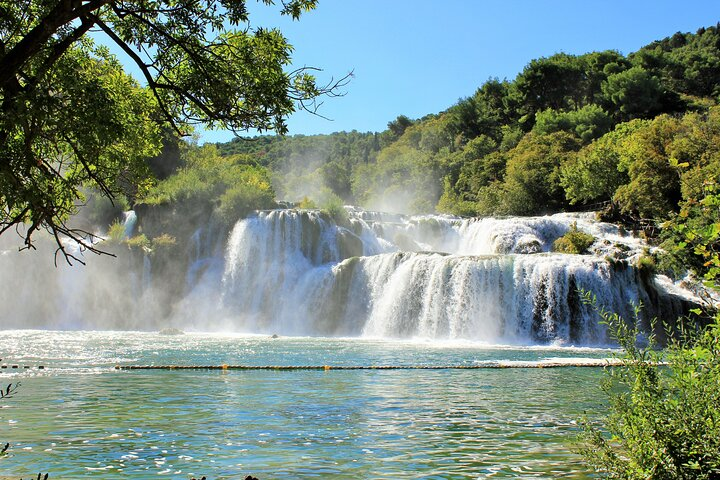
479, 366
600, 363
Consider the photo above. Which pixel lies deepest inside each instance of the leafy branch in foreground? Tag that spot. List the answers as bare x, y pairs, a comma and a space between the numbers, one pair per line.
664, 420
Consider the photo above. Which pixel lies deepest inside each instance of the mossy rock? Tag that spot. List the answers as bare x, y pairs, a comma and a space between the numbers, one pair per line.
349, 244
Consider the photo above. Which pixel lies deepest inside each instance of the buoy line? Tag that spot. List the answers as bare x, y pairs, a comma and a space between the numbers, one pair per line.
480, 366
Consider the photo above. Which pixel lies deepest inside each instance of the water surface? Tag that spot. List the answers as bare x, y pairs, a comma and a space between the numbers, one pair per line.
82, 418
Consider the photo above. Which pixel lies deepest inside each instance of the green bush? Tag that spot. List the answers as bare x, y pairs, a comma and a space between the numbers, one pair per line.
116, 232
163, 241
333, 207
307, 203
238, 201
646, 264
664, 420
574, 241
230, 184
138, 242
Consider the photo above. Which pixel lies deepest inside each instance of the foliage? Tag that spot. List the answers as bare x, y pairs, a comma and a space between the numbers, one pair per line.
646, 265
398, 126
664, 421
588, 122
654, 187
692, 237
233, 185
568, 130
305, 166
574, 241
553, 82
253, 192
333, 207
86, 124
70, 118
199, 61
634, 93
306, 203
138, 242
647, 166
163, 241
532, 177
406, 176
469, 169
594, 174
686, 63
116, 232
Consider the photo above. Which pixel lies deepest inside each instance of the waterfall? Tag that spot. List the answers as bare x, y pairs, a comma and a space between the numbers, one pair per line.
129, 221
298, 272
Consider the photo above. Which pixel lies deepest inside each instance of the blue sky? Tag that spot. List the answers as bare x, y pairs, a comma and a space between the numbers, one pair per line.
414, 57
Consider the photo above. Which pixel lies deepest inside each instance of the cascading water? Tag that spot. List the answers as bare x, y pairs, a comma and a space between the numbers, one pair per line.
297, 272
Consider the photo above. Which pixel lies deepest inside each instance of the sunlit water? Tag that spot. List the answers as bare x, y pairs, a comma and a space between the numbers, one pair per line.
82, 418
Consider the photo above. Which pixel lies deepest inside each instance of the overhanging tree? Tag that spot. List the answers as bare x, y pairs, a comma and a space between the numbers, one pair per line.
69, 116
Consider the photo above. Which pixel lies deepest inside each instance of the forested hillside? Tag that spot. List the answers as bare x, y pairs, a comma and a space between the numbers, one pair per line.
568, 131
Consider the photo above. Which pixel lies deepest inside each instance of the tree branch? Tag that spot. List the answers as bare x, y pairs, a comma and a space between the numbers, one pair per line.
143, 68
61, 47
63, 13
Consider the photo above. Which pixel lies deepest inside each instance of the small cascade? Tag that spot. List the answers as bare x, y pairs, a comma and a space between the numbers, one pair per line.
129, 222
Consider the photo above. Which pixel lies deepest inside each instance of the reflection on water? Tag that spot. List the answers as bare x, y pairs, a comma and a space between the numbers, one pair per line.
82, 418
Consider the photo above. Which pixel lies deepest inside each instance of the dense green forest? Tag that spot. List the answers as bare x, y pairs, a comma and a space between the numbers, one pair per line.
568, 131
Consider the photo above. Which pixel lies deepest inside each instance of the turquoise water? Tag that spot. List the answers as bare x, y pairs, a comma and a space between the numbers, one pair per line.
82, 418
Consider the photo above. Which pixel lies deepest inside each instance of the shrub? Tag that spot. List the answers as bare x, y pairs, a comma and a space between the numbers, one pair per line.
664, 420
333, 207
646, 264
307, 203
231, 184
163, 241
241, 199
138, 241
116, 233
574, 241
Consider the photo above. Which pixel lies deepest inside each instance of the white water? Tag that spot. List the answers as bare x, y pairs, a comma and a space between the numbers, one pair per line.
295, 272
